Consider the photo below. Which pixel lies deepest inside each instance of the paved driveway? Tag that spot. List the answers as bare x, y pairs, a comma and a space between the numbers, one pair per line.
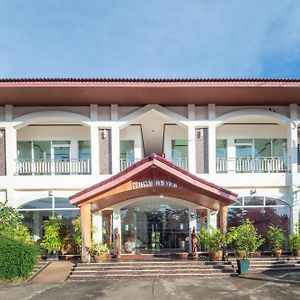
279, 286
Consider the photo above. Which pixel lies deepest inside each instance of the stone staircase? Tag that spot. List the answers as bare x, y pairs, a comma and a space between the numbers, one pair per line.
41, 265
264, 264
151, 269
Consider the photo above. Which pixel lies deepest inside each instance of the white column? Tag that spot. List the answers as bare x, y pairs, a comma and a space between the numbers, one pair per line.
115, 148
192, 148
293, 154
95, 155
11, 150
97, 226
212, 218
117, 224
212, 149
211, 139
192, 223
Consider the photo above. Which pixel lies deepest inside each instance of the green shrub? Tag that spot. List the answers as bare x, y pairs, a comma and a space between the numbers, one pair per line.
52, 241
17, 258
294, 239
275, 237
212, 238
244, 238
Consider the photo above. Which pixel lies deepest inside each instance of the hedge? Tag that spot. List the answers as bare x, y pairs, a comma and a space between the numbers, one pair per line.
17, 258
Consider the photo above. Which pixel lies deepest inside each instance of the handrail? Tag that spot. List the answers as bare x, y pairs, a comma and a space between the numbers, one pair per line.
53, 167
253, 165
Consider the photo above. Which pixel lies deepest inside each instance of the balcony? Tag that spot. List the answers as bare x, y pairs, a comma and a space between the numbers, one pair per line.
252, 165
126, 163
53, 167
180, 162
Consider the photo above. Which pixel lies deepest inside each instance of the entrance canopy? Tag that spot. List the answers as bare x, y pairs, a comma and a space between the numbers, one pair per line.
154, 175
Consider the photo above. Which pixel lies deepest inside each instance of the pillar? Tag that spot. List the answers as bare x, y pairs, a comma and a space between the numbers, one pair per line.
107, 216
202, 213
85, 215
191, 149
95, 153
192, 223
97, 227
293, 154
223, 217
115, 148
212, 149
117, 224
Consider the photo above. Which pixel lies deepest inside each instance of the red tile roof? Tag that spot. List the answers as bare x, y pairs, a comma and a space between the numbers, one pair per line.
142, 91
109, 183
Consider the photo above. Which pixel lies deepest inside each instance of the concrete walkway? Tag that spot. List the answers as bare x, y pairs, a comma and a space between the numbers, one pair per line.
56, 271
265, 286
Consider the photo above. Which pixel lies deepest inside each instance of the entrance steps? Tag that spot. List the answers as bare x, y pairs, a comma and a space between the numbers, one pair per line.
264, 264
151, 269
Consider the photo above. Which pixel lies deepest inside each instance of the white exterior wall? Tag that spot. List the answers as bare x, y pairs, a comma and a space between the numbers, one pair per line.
20, 189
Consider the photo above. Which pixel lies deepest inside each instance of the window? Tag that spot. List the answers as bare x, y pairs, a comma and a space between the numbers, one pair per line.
221, 149
180, 153
261, 155
126, 154
37, 211
257, 148
84, 149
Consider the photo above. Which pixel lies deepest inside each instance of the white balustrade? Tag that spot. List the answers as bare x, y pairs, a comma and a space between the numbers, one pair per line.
253, 165
57, 167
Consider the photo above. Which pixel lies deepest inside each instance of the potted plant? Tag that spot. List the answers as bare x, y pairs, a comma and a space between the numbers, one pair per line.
275, 237
244, 239
52, 241
294, 240
100, 252
213, 240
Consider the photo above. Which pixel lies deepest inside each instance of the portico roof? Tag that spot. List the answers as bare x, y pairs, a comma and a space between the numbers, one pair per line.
140, 91
154, 175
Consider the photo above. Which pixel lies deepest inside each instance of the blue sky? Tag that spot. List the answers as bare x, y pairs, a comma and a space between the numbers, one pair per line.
150, 38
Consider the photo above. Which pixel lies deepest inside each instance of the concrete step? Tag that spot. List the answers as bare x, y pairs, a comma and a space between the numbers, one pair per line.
156, 275
151, 269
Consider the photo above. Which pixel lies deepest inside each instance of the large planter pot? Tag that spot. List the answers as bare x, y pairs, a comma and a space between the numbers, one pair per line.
243, 266
276, 252
215, 255
102, 257
52, 257
296, 252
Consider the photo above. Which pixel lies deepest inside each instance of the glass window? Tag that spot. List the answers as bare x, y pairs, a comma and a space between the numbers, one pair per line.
243, 141
61, 142
273, 201
262, 148
84, 149
243, 151
127, 150
41, 150
24, 150
279, 147
40, 203
221, 148
254, 200
179, 149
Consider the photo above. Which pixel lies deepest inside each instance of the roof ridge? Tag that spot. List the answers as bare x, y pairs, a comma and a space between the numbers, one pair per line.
141, 80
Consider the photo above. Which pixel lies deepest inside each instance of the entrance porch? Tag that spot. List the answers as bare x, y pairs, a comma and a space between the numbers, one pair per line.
151, 207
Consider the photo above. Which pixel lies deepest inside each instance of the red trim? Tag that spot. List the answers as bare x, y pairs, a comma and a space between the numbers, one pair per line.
145, 163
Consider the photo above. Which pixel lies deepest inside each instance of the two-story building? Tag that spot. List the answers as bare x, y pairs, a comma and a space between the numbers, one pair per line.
93, 140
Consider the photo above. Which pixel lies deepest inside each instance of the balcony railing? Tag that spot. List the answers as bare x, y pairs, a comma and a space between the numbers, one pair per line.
126, 163
53, 167
182, 162
252, 165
